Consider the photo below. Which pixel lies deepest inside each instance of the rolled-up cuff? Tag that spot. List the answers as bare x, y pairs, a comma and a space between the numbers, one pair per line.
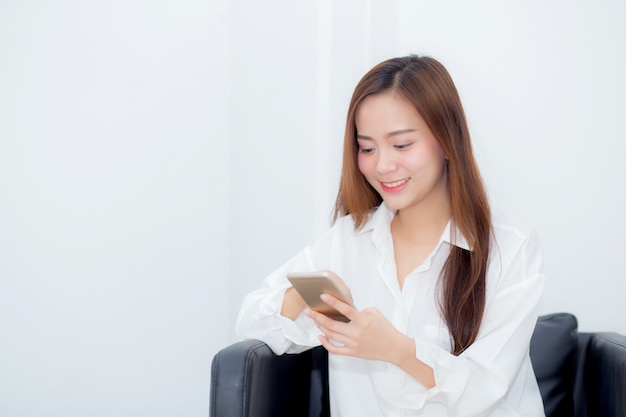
295, 335
451, 375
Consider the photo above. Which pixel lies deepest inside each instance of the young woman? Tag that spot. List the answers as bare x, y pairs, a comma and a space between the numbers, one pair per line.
445, 296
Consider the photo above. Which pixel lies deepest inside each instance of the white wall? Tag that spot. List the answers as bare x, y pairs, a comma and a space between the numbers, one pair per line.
543, 87
158, 159
114, 259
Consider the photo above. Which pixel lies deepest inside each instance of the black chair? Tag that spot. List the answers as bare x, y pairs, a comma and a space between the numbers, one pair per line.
579, 374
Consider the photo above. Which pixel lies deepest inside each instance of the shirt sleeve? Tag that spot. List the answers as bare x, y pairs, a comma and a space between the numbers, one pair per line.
473, 383
259, 317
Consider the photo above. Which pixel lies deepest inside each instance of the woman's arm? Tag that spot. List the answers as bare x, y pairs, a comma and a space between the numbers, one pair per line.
273, 312
494, 370
369, 335
293, 304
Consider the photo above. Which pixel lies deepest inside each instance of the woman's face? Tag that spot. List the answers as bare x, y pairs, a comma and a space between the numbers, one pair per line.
398, 154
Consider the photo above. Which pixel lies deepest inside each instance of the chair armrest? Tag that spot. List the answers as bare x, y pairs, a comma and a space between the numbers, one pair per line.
232, 371
248, 379
605, 375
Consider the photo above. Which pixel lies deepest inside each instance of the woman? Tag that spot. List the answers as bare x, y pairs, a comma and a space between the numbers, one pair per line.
445, 296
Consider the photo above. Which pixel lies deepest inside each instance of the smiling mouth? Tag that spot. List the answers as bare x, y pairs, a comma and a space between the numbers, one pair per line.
395, 184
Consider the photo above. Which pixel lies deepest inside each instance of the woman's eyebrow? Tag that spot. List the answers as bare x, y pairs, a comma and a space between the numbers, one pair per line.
399, 132
388, 135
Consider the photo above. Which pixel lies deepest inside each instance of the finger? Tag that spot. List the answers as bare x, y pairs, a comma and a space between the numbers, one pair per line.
321, 319
340, 282
332, 348
342, 307
346, 291
333, 329
333, 335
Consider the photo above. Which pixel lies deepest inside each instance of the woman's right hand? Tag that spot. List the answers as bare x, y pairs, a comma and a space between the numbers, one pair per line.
344, 288
293, 304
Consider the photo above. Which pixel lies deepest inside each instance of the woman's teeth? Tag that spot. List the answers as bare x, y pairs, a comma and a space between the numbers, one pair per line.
395, 183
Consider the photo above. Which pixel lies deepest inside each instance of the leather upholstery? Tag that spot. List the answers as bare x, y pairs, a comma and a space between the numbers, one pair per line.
605, 375
249, 380
580, 372
553, 349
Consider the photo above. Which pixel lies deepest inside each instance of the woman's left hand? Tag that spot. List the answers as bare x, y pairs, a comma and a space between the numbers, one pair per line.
368, 335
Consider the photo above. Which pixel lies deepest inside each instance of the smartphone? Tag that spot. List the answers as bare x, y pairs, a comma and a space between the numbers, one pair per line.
310, 285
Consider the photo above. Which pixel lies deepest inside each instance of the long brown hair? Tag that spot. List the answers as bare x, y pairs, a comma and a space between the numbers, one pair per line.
428, 86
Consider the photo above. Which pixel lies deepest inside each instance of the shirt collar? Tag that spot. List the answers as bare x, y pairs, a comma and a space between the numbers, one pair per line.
452, 235
379, 223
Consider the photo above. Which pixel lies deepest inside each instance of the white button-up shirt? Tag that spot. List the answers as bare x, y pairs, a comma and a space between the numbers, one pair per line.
493, 377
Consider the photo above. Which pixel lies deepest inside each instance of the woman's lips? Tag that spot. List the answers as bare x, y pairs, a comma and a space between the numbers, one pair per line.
394, 186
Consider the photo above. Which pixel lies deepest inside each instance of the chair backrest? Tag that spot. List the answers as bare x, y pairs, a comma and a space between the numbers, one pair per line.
553, 353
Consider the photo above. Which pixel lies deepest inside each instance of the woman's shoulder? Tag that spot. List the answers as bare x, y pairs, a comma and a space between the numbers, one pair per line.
516, 255
515, 240
340, 228
507, 226
371, 219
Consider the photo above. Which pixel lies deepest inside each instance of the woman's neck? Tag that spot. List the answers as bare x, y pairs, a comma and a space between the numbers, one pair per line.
425, 221
415, 232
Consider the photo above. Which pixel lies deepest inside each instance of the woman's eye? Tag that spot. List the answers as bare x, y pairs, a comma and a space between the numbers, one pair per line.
366, 150
402, 146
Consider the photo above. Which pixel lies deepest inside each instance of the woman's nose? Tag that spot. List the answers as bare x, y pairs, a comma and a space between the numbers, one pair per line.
386, 162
